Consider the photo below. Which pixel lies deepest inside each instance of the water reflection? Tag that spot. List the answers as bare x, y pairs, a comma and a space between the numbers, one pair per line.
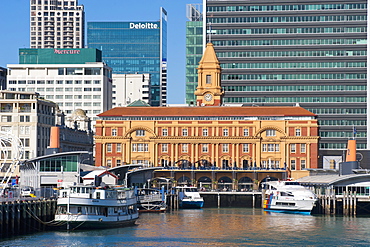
216, 227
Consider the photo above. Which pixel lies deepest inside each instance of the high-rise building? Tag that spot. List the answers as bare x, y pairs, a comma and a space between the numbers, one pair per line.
57, 24
128, 88
311, 53
194, 49
72, 78
135, 48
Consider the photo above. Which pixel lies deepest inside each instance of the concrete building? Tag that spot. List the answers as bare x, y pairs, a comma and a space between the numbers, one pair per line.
135, 47
313, 53
128, 88
57, 24
72, 78
208, 134
28, 117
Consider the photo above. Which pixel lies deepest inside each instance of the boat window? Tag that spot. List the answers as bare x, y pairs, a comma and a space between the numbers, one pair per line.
282, 193
291, 183
97, 195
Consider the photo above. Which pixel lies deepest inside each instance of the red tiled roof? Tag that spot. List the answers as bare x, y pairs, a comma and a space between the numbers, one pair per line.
208, 111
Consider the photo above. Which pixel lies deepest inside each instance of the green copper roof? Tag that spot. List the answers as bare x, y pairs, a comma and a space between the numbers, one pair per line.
137, 103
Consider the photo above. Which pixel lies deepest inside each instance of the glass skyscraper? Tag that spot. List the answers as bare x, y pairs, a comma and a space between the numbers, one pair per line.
311, 53
135, 48
194, 49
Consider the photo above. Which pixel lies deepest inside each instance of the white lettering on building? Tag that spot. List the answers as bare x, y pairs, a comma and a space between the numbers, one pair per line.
147, 25
56, 51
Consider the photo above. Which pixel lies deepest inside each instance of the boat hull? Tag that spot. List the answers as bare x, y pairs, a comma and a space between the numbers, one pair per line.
87, 225
191, 204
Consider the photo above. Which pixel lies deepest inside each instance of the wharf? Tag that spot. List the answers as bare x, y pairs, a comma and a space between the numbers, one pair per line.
18, 217
250, 199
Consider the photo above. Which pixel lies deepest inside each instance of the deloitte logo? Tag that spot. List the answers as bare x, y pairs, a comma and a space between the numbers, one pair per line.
143, 25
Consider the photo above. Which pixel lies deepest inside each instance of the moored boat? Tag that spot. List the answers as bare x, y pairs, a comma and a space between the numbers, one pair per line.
189, 197
151, 200
288, 197
88, 207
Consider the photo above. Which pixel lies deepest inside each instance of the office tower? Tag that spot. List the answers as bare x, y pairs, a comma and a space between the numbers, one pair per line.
311, 53
135, 48
194, 49
57, 24
72, 78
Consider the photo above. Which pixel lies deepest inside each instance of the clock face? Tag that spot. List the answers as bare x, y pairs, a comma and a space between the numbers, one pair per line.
208, 97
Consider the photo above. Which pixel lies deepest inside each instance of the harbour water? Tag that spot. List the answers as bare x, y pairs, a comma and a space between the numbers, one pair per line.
215, 227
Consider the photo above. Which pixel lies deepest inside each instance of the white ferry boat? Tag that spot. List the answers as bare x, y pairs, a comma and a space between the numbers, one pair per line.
288, 197
189, 197
87, 207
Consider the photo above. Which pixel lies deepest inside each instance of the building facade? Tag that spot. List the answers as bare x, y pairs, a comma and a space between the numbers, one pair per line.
28, 117
313, 53
194, 49
57, 24
77, 81
135, 47
3, 78
208, 134
128, 88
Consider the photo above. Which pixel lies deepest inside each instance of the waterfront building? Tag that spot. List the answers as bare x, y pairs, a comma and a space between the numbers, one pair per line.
135, 47
75, 132
313, 53
57, 24
128, 88
28, 117
208, 134
72, 78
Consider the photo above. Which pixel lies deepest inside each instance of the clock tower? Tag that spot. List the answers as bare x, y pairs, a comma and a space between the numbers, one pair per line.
209, 91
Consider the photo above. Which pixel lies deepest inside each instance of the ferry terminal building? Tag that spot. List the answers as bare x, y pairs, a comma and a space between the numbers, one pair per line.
208, 135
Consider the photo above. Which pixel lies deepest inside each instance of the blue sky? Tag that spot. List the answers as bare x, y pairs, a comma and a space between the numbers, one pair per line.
14, 26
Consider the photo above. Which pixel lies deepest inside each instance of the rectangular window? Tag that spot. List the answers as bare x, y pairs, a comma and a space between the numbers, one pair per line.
118, 147
225, 132
140, 132
245, 148
109, 147
277, 147
134, 147
246, 132
270, 147
7, 118
264, 147
270, 132
292, 165
225, 148
303, 164
184, 148
164, 148
297, 132
208, 79
164, 132
184, 132
205, 148
114, 132
205, 132
118, 162
303, 148
292, 148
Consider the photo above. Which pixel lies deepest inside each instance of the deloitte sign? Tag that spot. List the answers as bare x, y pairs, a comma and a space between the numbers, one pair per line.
147, 25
